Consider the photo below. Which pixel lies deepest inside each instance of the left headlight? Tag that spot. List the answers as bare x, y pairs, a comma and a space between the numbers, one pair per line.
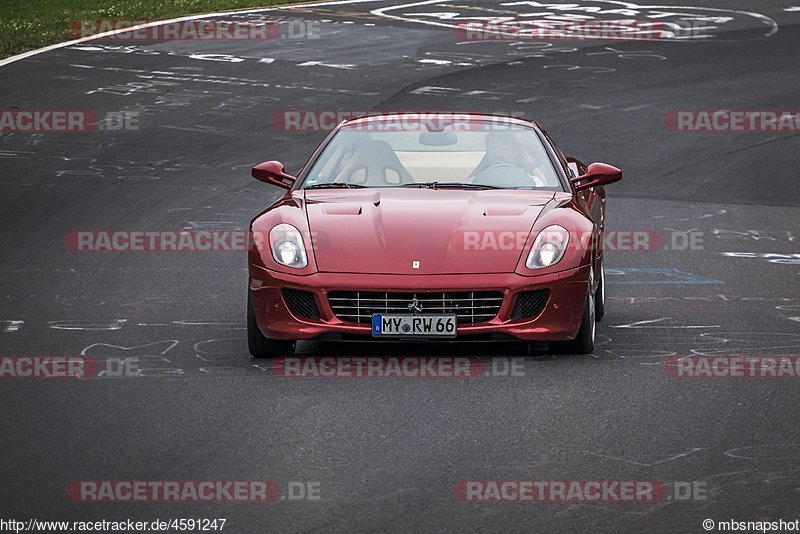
548, 248
287, 246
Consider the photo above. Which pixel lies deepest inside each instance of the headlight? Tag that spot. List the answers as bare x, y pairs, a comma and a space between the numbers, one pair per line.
287, 246
548, 248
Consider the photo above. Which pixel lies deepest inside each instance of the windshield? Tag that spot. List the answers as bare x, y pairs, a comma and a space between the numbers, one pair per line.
483, 155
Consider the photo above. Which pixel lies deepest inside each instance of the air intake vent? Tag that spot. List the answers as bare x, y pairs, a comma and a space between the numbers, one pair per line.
301, 303
530, 304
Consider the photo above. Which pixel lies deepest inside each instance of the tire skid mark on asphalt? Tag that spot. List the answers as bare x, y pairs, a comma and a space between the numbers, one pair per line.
145, 355
649, 323
644, 346
12, 325
794, 453
662, 460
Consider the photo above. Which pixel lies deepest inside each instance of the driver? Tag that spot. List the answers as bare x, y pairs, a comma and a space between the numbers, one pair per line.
503, 148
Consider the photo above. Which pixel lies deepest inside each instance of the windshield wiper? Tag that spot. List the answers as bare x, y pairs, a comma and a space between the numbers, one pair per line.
334, 185
462, 185
429, 185
450, 185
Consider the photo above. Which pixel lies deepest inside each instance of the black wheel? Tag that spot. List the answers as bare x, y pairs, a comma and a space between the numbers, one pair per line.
584, 341
261, 346
600, 296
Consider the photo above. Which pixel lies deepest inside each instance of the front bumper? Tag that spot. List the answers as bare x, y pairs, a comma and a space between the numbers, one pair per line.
560, 319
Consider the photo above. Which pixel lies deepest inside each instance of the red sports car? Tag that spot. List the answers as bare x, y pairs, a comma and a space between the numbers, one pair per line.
430, 226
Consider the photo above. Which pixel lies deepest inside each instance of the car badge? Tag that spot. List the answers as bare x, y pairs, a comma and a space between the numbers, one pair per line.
415, 306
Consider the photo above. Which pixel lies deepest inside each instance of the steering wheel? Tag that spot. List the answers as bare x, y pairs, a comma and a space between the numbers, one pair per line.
503, 174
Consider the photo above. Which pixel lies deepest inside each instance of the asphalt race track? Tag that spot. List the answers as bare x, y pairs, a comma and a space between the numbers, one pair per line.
375, 454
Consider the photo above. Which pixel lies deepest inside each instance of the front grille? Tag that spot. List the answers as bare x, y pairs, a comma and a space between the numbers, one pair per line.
530, 303
469, 307
301, 303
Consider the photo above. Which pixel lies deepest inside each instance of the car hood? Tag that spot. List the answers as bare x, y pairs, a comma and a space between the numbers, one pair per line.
421, 231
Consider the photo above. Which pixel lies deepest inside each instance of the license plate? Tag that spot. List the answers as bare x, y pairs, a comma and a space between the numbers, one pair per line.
414, 325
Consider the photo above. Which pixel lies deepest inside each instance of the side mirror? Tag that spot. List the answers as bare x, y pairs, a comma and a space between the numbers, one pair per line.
273, 173
597, 174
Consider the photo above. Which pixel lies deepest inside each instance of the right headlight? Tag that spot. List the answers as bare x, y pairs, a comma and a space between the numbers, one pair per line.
287, 246
548, 248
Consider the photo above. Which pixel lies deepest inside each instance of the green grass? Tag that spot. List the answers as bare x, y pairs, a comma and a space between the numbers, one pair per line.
30, 24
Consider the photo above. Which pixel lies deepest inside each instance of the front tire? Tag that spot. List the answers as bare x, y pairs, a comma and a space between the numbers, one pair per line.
600, 296
261, 346
584, 341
